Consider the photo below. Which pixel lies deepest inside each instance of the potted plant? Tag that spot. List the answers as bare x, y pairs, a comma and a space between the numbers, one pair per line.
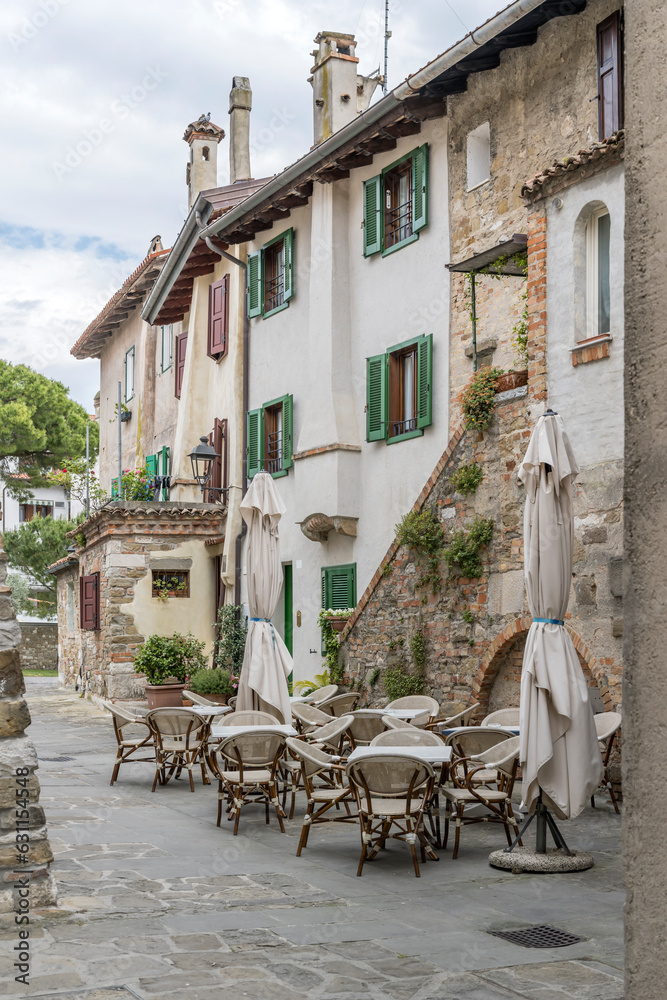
166, 661
214, 683
336, 617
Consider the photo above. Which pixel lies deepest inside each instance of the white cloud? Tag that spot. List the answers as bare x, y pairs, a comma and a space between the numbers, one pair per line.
146, 69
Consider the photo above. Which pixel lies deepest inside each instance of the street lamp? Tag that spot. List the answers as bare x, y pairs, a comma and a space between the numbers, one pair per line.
203, 458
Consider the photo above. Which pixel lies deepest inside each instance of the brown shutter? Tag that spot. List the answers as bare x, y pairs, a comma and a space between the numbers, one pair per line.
218, 318
610, 82
181, 345
219, 474
89, 601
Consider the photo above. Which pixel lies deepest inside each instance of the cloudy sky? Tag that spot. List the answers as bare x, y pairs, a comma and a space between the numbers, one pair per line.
95, 98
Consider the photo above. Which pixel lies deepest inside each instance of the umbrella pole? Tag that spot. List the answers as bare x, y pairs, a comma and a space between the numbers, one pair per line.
544, 819
541, 815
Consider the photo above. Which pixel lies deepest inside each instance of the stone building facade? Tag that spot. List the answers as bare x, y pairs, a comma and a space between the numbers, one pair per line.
127, 544
39, 646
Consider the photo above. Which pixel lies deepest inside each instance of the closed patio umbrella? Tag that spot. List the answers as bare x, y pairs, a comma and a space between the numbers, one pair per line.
559, 748
267, 662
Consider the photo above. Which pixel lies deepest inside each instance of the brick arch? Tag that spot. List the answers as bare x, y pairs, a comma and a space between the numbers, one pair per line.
490, 663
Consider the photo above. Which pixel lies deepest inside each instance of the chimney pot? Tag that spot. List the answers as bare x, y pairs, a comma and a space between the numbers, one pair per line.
334, 79
240, 105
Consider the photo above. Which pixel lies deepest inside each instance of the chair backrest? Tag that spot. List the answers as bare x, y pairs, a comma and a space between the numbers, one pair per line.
249, 718
332, 733
461, 719
365, 728
429, 704
501, 756
122, 715
323, 694
258, 749
607, 723
232, 701
502, 717
176, 722
313, 759
389, 776
475, 740
308, 715
407, 738
341, 704
391, 722
198, 699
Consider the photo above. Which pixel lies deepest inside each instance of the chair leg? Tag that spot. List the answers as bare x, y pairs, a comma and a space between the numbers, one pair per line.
116, 769
157, 775
459, 820
513, 823
305, 830
364, 846
219, 803
189, 764
413, 851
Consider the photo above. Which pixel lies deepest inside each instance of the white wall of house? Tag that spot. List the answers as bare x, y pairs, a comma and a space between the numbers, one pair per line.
346, 308
589, 397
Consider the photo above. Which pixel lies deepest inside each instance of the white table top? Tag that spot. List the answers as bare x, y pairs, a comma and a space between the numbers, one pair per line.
432, 755
397, 713
210, 710
222, 732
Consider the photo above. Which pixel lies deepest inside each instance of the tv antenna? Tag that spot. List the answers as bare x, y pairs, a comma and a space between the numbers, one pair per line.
387, 36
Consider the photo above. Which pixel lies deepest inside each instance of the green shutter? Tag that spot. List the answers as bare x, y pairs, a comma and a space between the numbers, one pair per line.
425, 381
151, 464
372, 215
376, 398
288, 431
339, 586
255, 296
115, 488
255, 442
289, 265
419, 188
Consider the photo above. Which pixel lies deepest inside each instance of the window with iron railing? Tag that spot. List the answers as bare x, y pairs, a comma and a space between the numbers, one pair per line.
270, 438
399, 391
395, 204
271, 276
398, 204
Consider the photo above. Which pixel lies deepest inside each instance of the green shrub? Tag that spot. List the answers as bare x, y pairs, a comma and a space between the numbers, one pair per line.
467, 478
230, 643
165, 658
211, 681
319, 681
422, 531
479, 399
400, 683
463, 548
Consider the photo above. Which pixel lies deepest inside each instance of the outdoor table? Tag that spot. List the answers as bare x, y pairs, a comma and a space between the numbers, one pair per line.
397, 713
430, 754
209, 711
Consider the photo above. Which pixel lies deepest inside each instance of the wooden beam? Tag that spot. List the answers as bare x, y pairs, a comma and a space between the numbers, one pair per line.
272, 214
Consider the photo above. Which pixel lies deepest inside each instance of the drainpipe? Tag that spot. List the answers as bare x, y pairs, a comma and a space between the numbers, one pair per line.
246, 332
473, 316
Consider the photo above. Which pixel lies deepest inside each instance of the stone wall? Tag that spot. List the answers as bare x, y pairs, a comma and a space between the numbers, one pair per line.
479, 659
39, 645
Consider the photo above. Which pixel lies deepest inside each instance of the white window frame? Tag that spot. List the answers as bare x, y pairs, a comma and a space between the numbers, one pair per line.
168, 330
128, 368
592, 275
478, 156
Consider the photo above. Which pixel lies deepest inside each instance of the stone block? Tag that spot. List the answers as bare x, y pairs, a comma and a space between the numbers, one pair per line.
14, 716
11, 677
8, 818
617, 628
8, 788
126, 559
584, 591
616, 576
596, 533
16, 751
511, 592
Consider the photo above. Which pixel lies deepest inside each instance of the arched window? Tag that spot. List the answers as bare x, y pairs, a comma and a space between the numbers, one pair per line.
204, 153
598, 312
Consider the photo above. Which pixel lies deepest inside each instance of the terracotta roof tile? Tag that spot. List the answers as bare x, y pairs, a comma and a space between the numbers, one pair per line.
597, 151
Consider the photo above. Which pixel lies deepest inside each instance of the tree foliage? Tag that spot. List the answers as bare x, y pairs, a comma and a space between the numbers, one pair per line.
40, 426
34, 546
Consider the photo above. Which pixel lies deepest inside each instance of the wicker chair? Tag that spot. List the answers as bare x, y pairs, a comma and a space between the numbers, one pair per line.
254, 757
476, 740
198, 699
331, 791
180, 742
128, 746
364, 729
391, 722
471, 787
329, 737
430, 705
392, 793
502, 717
232, 702
249, 718
323, 694
341, 704
308, 718
607, 725
412, 737
460, 719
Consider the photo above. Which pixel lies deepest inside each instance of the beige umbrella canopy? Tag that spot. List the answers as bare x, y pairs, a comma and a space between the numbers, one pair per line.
559, 747
267, 662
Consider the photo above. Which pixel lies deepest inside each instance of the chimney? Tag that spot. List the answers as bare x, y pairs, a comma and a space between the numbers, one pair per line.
339, 93
240, 105
202, 137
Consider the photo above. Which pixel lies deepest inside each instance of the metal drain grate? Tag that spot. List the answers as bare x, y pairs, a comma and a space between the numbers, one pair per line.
57, 759
540, 936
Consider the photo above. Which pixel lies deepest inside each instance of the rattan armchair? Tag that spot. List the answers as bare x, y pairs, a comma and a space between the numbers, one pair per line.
249, 717
365, 728
472, 787
128, 746
251, 774
323, 694
330, 792
428, 704
198, 699
180, 742
392, 793
341, 704
308, 717
391, 722
329, 737
607, 725
460, 719
411, 737
502, 717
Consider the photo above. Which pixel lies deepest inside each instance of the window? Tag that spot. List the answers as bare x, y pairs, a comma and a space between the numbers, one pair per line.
129, 374
339, 586
218, 319
158, 465
115, 488
271, 276
70, 606
396, 204
598, 231
181, 347
479, 155
37, 509
270, 438
167, 333
171, 583
60, 503
89, 601
399, 391
610, 78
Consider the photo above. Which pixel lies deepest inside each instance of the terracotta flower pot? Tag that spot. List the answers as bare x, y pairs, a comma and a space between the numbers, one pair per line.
338, 624
165, 695
511, 380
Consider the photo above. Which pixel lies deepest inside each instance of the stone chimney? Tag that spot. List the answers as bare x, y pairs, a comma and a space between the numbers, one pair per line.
339, 93
240, 105
202, 137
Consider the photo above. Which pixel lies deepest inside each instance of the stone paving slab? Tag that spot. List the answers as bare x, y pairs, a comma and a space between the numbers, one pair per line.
155, 898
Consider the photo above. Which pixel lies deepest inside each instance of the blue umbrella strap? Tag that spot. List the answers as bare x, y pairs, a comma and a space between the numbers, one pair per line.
269, 622
548, 621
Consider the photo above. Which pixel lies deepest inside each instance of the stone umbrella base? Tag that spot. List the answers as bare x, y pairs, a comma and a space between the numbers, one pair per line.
526, 859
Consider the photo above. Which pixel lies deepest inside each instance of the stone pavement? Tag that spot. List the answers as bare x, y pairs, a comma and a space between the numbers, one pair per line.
157, 902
